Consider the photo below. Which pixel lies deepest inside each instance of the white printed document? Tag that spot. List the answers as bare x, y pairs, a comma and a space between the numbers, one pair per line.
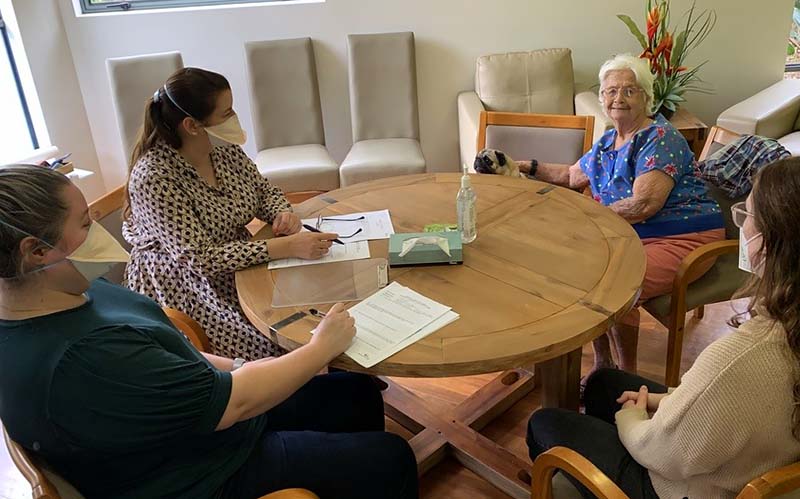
393, 319
364, 226
337, 253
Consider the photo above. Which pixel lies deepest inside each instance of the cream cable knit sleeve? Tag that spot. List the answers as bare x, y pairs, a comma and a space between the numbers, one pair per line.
729, 395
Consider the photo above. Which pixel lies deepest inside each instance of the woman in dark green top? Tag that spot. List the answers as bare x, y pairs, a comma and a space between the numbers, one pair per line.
96, 380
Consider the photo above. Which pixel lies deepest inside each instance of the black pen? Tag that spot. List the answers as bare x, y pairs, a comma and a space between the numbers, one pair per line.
314, 229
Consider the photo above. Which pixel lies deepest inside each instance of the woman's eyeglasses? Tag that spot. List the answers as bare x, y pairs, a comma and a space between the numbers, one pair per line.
739, 213
321, 219
613, 92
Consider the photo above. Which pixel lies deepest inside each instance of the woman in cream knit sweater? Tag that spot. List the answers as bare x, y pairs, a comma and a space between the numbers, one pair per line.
736, 413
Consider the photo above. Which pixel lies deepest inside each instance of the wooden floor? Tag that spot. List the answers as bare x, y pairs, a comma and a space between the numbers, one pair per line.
450, 480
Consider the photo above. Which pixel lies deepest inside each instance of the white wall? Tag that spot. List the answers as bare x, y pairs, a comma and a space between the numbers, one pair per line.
50, 60
746, 52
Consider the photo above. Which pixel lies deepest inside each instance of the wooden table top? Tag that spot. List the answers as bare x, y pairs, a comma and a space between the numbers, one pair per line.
551, 270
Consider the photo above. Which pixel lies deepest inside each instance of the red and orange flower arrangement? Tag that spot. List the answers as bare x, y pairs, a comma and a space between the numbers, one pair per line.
667, 54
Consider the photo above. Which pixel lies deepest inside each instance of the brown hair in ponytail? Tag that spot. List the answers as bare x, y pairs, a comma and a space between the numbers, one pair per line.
188, 92
776, 211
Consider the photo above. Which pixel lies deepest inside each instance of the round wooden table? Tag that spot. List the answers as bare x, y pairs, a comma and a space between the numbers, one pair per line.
550, 271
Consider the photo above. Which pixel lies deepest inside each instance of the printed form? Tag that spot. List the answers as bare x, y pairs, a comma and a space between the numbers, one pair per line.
393, 319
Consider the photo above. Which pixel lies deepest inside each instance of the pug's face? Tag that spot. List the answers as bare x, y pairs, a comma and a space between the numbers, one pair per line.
491, 161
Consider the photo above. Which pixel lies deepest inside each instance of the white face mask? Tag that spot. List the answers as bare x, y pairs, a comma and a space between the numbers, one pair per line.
229, 131
744, 255
98, 253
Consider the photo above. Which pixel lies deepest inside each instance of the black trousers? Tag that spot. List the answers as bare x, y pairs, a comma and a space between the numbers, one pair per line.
594, 435
328, 438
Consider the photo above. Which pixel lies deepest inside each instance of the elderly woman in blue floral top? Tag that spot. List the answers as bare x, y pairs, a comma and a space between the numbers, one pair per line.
644, 170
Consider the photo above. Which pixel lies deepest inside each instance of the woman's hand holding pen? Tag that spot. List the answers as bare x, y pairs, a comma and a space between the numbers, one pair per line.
305, 245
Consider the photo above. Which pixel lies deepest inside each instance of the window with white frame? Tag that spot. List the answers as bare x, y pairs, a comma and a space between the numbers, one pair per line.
93, 6
18, 136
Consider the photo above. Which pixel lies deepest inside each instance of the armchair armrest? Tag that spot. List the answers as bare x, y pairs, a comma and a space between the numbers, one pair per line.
587, 104
190, 328
774, 483
469, 114
291, 494
771, 112
690, 268
575, 465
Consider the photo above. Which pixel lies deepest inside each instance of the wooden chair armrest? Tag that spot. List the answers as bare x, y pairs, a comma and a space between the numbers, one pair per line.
773, 484
41, 487
190, 328
689, 266
291, 494
577, 466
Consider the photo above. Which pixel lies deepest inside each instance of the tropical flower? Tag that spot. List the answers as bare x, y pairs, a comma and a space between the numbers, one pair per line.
666, 53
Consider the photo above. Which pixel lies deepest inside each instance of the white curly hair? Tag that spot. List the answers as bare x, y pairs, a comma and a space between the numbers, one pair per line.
641, 71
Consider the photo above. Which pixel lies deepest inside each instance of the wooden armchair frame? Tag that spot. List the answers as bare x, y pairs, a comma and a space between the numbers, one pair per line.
585, 123
687, 272
43, 488
769, 485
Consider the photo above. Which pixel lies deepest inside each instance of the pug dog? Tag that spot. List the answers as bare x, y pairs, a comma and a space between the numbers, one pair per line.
496, 162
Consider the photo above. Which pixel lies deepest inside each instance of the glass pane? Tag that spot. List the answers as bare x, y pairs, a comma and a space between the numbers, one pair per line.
15, 138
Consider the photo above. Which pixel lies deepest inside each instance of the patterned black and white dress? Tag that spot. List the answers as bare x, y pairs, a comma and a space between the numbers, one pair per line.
189, 238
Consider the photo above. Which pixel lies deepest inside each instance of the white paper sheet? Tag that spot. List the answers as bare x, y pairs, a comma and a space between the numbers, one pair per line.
431, 328
376, 225
338, 253
392, 319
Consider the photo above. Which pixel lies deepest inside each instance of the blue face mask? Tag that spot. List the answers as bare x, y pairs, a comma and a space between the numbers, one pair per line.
98, 253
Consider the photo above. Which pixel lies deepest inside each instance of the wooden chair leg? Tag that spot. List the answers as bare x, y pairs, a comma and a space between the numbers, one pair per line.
700, 312
676, 327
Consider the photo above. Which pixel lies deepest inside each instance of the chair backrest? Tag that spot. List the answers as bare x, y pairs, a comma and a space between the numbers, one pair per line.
190, 328
284, 93
133, 80
549, 138
107, 210
539, 81
383, 86
719, 137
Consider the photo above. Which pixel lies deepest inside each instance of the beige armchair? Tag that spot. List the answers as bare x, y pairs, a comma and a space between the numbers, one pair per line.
383, 108
773, 112
540, 81
133, 80
287, 116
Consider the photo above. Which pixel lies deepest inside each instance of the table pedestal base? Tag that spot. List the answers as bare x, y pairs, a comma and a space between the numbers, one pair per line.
457, 433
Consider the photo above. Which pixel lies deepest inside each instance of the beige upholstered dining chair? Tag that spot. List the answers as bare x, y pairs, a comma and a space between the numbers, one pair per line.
287, 117
383, 108
47, 484
133, 80
538, 81
782, 483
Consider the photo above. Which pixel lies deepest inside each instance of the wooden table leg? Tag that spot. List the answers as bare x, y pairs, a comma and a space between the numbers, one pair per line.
560, 380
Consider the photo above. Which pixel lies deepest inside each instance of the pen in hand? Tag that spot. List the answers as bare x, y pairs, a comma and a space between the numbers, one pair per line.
314, 229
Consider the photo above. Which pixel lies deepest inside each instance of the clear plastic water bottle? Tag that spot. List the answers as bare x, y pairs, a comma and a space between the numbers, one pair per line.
465, 205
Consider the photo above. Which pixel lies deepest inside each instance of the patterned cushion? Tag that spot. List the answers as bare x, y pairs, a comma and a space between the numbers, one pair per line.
733, 166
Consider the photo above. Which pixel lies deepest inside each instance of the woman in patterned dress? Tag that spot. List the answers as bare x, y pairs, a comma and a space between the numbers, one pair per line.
188, 204
644, 170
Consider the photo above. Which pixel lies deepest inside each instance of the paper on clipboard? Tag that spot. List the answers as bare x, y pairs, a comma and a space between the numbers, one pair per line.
337, 253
